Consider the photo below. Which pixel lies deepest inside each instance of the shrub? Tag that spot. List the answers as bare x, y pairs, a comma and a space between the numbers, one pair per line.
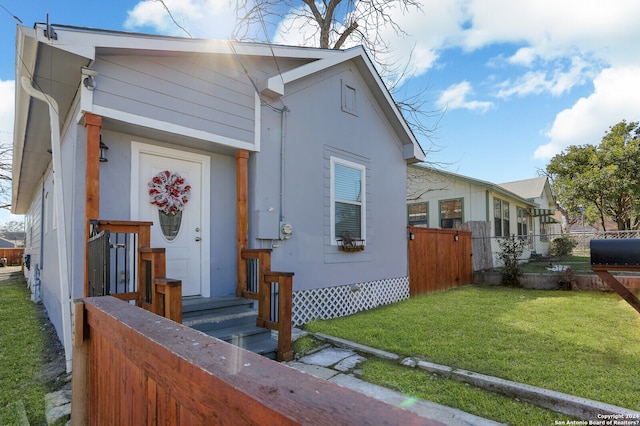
562, 246
511, 248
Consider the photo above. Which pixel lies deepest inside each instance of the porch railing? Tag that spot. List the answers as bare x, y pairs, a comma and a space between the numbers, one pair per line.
274, 293
122, 264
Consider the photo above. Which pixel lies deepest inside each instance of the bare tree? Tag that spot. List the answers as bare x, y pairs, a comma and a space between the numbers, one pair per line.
6, 151
12, 226
335, 21
331, 24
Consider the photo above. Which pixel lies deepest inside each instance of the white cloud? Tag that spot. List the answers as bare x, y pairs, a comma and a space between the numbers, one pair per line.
587, 121
524, 56
456, 97
557, 81
202, 19
6, 111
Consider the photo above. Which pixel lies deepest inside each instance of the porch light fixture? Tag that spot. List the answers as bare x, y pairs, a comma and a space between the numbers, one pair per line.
103, 151
456, 237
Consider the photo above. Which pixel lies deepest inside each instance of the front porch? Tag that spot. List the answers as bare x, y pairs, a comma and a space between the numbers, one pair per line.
263, 297
120, 263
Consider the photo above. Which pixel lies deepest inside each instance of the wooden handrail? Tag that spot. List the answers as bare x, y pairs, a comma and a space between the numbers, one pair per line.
284, 312
272, 314
143, 229
155, 292
151, 265
248, 285
167, 298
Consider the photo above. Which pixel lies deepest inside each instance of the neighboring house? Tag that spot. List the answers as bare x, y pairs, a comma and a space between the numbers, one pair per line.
325, 144
440, 199
539, 191
16, 237
4, 243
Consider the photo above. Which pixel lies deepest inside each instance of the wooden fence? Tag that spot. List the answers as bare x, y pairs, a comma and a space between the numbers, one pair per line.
13, 255
438, 259
133, 367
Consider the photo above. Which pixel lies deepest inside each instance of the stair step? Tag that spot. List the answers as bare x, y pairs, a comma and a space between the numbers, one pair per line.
221, 305
216, 322
237, 332
195, 320
231, 319
264, 345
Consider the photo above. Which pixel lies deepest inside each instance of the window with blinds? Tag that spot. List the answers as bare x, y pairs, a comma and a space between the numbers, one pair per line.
418, 214
347, 199
451, 213
501, 218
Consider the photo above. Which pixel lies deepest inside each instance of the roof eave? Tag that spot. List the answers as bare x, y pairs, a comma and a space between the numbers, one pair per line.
482, 183
26, 52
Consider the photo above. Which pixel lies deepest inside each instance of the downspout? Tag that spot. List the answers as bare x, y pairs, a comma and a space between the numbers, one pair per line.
283, 124
63, 263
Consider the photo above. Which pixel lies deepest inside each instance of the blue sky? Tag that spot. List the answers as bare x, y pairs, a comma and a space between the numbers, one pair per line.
512, 82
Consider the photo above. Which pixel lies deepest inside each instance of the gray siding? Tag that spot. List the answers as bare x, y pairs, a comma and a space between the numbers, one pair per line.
33, 229
317, 128
201, 92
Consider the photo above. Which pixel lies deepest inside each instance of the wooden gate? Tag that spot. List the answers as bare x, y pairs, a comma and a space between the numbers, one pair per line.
438, 259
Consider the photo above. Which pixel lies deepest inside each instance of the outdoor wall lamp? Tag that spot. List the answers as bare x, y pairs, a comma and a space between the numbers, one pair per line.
456, 237
103, 151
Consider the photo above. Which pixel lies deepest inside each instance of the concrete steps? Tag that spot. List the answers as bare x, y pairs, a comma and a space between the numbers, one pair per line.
231, 319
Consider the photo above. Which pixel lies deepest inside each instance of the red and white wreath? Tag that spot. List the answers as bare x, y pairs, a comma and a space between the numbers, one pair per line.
169, 192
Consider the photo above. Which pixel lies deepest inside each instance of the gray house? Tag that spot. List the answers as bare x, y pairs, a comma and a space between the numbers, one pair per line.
323, 142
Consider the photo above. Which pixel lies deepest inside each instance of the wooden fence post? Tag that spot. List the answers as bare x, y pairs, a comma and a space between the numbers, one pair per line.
242, 214
167, 298
285, 296
80, 376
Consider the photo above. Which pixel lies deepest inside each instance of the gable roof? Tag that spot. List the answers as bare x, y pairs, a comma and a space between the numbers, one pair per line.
477, 182
52, 57
527, 188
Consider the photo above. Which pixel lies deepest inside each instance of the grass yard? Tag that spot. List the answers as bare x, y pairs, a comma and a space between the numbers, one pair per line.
582, 343
21, 352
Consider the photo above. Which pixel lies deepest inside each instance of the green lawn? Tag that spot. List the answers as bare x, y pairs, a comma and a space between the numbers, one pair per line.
581, 343
21, 352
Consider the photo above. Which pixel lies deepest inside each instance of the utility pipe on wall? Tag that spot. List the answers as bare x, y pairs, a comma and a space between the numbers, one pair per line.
63, 263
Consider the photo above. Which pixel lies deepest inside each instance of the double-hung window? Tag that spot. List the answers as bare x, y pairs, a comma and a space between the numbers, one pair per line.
451, 213
523, 222
418, 214
501, 218
348, 203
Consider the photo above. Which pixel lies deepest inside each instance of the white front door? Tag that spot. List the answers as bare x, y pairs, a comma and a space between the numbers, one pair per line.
185, 245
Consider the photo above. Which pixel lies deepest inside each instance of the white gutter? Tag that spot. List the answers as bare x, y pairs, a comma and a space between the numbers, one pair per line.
63, 263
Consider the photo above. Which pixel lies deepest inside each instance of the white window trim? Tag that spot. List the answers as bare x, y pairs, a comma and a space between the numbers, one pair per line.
363, 203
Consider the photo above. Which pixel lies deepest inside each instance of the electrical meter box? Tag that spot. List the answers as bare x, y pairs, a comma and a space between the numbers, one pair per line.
267, 225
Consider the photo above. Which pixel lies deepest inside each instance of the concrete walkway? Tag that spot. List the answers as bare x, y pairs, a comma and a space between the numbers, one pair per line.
338, 360
340, 366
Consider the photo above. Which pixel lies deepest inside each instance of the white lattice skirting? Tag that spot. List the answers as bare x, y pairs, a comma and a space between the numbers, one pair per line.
333, 302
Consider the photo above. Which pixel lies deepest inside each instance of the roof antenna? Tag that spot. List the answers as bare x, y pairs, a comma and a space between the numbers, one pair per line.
49, 32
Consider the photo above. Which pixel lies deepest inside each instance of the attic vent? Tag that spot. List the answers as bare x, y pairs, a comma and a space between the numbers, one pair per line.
349, 99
